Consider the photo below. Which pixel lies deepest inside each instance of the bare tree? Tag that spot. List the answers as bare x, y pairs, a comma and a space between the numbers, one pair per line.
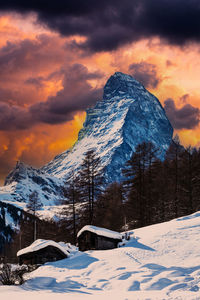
33, 205
72, 195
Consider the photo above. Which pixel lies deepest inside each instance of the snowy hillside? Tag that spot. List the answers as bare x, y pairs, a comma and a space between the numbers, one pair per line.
159, 262
9, 222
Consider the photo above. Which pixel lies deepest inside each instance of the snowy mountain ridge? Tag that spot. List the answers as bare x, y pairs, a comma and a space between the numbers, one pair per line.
126, 116
23, 180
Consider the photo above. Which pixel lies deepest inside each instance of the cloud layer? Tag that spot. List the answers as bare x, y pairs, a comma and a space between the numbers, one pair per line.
112, 23
186, 117
145, 73
77, 94
52, 61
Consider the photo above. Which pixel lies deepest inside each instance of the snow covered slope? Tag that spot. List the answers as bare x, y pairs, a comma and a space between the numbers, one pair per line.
9, 222
23, 180
159, 262
127, 115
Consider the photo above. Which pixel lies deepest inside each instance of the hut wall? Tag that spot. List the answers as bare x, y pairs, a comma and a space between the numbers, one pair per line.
106, 243
41, 256
91, 241
87, 241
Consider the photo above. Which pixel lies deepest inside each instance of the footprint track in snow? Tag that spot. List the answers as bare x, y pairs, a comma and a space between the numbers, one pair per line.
130, 255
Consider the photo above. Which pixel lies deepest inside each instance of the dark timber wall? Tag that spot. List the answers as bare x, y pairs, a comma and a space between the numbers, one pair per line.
47, 254
91, 241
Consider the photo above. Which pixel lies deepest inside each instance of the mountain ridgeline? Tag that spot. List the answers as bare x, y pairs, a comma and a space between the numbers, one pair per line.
126, 116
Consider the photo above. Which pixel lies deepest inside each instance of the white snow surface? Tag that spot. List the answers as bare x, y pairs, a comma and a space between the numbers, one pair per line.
30, 180
105, 135
40, 244
126, 116
161, 261
101, 231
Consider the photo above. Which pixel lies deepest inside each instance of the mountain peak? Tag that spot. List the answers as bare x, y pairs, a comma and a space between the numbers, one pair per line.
120, 84
123, 76
18, 173
127, 116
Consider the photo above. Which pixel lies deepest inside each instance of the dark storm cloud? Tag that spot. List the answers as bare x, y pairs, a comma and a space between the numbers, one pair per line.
21, 56
36, 81
13, 117
77, 94
184, 98
145, 73
109, 24
187, 117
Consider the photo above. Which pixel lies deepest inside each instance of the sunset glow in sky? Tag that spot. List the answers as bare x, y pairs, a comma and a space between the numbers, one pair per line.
54, 61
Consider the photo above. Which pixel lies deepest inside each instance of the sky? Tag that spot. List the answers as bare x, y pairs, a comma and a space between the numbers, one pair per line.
56, 56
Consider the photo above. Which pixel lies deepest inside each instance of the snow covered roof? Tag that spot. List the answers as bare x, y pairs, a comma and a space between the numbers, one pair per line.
40, 244
101, 231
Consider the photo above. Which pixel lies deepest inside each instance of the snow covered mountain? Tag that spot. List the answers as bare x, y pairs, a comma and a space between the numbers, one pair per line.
158, 262
126, 116
23, 180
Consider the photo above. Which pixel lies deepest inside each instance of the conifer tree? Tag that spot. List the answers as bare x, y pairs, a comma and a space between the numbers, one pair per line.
186, 175
138, 173
110, 208
90, 180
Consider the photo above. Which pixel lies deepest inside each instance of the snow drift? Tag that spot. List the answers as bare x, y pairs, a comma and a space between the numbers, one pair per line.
161, 261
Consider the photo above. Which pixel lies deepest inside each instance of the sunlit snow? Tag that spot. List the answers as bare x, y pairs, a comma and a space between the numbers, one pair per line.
158, 262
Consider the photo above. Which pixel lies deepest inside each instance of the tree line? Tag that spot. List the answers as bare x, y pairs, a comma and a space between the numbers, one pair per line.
151, 191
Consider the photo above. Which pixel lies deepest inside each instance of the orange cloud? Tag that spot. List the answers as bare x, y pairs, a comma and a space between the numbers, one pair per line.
38, 145
33, 61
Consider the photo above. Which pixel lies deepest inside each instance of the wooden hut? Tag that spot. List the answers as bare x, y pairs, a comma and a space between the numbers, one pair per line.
42, 251
96, 238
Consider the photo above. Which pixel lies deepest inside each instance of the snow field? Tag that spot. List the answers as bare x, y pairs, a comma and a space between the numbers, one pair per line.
161, 261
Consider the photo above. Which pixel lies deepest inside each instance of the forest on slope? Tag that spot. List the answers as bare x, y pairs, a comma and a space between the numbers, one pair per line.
153, 191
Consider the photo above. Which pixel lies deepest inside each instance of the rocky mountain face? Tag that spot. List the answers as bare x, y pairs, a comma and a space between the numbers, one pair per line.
23, 180
126, 116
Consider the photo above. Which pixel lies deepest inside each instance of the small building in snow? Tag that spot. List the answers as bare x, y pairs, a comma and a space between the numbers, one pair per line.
41, 251
96, 238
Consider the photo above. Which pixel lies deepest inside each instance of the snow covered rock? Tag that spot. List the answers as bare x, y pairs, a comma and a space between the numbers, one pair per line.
127, 116
23, 180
